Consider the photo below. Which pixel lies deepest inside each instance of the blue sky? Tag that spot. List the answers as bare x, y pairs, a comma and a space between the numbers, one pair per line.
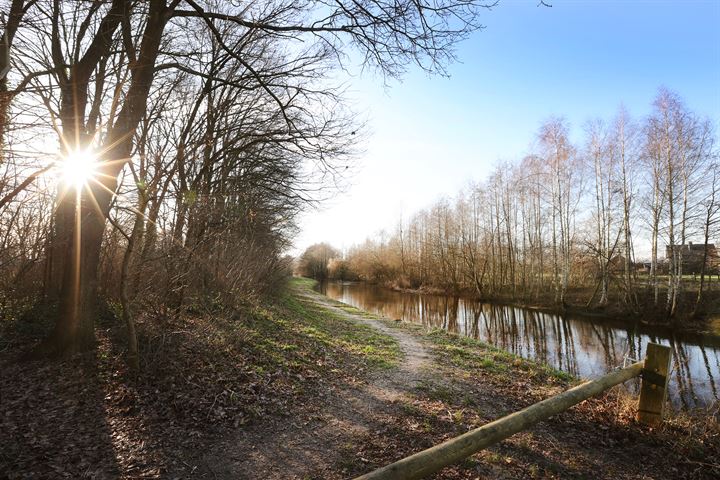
430, 136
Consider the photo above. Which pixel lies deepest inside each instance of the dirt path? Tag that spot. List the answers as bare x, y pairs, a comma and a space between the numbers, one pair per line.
293, 391
314, 441
364, 419
396, 383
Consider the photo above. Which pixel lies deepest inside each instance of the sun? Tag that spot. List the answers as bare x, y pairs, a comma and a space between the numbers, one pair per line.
78, 167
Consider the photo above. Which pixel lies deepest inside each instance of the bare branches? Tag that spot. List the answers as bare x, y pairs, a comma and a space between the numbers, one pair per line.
223, 113
531, 232
21, 187
388, 34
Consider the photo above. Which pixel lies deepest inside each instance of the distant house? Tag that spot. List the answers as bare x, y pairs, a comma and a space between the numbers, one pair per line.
643, 267
692, 255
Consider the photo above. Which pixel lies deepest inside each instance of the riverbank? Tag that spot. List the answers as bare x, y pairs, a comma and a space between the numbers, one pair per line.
582, 346
465, 383
616, 312
307, 387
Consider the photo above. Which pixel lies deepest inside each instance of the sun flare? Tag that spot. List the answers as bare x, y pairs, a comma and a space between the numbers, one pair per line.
78, 167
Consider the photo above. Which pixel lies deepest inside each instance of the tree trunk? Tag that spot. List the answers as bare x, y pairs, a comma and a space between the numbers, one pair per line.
74, 330
135, 237
15, 16
711, 207
83, 228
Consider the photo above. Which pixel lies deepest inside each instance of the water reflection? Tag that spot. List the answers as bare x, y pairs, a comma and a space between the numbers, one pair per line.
576, 345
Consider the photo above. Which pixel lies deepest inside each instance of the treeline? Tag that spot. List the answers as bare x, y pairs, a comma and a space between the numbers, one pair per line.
562, 224
322, 261
211, 124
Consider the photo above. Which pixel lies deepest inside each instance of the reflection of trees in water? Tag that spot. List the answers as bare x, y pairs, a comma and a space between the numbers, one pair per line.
470, 325
688, 371
633, 349
579, 347
537, 332
489, 328
438, 312
607, 340
558, 344
516, 339
682, 354
708, 370
451, 307
570, 352
430, 316
682, 389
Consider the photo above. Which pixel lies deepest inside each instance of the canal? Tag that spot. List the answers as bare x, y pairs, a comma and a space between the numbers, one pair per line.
584, 347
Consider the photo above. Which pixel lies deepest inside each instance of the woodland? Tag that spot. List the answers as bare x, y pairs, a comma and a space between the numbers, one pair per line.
157, 152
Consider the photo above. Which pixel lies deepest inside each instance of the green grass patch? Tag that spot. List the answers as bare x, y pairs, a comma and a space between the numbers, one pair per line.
471, 355
302, 282
475, 355
337, 331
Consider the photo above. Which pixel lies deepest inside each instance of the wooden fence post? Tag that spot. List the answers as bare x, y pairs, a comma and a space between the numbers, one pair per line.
429, 461
653, 388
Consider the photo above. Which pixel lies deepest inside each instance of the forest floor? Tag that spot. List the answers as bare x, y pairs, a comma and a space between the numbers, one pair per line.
311, 388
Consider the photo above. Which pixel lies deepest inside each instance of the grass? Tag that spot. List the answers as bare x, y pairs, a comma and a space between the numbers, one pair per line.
204, 372
468, 354
470, 383
472, 355
339, 331
295, 334
209, 372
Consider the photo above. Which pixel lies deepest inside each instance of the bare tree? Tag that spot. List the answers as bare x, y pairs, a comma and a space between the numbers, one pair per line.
680, 143
624, 150
512, 235
104, 58
710, 222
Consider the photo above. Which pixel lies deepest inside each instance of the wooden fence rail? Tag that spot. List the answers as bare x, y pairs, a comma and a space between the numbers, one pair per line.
654, 371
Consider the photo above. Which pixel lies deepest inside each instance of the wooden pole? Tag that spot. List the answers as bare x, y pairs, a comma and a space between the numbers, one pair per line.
653, 388
433, 459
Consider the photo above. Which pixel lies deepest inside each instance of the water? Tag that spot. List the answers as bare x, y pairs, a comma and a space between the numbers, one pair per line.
583, 347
